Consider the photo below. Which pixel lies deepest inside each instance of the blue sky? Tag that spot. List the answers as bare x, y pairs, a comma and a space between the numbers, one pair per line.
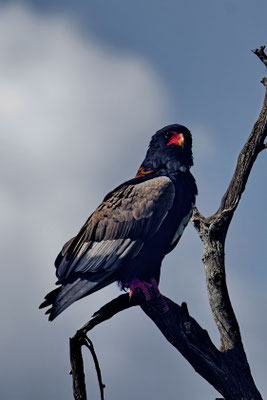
84, 85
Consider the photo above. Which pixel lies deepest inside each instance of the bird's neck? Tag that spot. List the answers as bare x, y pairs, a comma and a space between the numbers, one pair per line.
171, 169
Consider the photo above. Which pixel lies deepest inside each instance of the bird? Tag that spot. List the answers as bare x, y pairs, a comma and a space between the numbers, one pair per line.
127, 237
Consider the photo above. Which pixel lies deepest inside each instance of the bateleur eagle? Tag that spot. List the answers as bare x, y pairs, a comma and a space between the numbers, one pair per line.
135, 226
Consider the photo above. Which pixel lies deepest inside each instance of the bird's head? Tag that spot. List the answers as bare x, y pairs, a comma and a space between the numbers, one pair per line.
170, 149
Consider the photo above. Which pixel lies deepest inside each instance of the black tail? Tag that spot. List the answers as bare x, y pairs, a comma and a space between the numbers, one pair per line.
65, 295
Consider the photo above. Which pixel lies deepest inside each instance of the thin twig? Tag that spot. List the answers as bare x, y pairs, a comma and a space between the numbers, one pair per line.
80, 339
89, 344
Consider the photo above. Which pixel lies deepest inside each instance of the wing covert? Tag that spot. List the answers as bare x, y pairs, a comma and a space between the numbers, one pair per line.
118, 229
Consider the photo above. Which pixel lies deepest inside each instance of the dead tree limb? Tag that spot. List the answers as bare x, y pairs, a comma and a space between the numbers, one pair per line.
80, 339
212, 231
77, 367
227, 368
261, 54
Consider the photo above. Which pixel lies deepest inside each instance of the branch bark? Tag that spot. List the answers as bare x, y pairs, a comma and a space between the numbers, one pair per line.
80, 339
227, 368
261, 54
212, 231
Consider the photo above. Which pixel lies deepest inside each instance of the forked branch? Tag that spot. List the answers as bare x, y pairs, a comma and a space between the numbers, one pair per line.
212, 231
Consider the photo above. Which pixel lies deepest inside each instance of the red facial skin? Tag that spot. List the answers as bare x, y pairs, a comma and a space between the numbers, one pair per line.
177, 138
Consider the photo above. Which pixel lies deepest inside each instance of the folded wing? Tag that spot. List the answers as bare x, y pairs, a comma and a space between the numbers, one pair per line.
115, 232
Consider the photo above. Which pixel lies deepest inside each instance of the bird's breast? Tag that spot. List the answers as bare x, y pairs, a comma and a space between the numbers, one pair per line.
181, 211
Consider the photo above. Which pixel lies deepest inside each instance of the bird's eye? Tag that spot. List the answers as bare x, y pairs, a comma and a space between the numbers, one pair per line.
168, 135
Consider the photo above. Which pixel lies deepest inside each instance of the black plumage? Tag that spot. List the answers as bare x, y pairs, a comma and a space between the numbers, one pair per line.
135, 226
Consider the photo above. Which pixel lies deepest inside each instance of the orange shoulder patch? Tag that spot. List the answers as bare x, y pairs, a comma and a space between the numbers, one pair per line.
142, 172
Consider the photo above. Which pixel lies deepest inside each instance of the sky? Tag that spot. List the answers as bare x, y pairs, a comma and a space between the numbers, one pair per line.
83, 87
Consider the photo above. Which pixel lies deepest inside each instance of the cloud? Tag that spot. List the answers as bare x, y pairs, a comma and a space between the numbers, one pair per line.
75, 118
70, 110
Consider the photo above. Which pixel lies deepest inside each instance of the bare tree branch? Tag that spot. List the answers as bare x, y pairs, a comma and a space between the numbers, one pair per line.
77, 371
89, 345
77, 368
225, 371
187, 336
212, 231
80, 339
121, 303
261, 54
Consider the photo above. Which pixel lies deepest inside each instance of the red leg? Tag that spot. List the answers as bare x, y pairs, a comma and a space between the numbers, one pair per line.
144, 287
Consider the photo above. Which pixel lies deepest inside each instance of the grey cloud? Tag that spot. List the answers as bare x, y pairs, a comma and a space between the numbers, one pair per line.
75, 120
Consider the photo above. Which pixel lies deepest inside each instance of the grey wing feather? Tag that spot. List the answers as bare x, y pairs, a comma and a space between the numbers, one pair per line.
118, 228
